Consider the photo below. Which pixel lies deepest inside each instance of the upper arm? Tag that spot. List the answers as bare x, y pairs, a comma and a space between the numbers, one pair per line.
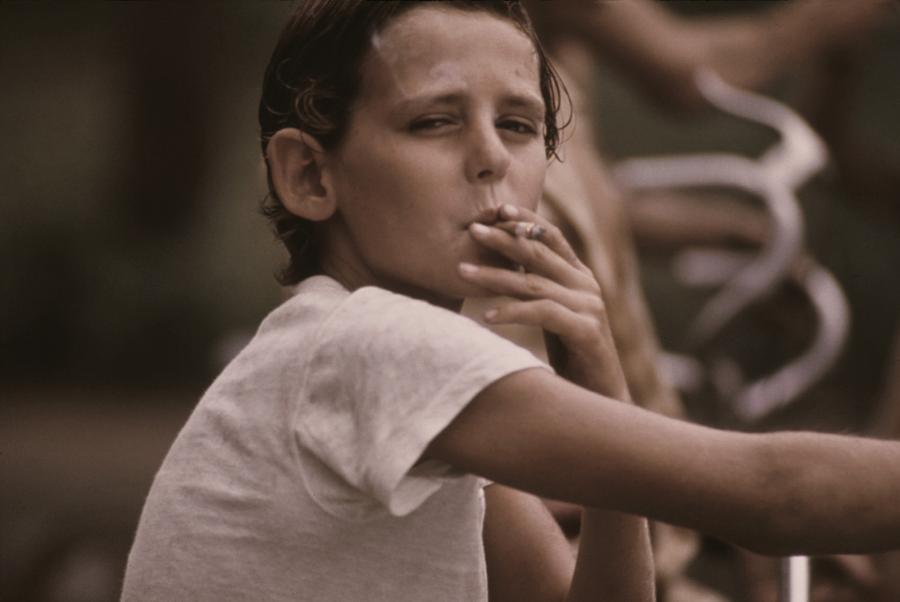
536, 432
527, 555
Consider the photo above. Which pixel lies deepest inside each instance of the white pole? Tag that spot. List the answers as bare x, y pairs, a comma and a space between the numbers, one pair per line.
795, 579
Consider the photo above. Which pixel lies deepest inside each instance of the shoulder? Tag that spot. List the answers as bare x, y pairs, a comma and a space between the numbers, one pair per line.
376, 327
374, 321
326, 301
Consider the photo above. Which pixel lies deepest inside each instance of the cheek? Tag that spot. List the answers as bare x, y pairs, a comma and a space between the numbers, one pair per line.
536, 189
391, 173
382, 196
397, 188
530, 183
367, 186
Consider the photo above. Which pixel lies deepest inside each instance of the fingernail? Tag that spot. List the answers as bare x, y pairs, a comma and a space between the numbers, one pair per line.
521, 228
479, 229
490, 314
467, 268
510, 211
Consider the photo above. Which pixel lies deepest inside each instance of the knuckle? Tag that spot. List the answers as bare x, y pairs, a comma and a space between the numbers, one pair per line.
596, 306
533, 285
594, 291
537, 252
587, 303
545, 306
585, 273
553, 231
590, 329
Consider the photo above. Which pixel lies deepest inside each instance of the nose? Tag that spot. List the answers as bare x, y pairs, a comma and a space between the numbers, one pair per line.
488, 157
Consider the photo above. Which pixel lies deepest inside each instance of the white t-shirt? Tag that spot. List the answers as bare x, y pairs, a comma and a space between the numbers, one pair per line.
296, 476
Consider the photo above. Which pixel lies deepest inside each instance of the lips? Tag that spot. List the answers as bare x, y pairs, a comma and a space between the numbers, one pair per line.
488, 217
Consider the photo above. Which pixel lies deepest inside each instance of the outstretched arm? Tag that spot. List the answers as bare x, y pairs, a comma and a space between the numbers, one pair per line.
778, 493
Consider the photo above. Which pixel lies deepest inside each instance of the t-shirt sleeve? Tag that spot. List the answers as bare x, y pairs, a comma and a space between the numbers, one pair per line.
387, 374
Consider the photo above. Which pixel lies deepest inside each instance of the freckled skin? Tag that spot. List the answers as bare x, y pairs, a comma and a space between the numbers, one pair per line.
406, 193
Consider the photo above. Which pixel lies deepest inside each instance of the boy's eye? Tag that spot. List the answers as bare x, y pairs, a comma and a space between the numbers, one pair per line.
430, 123
518, 127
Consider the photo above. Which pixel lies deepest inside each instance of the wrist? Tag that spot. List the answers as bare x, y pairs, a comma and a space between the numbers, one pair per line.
605, 378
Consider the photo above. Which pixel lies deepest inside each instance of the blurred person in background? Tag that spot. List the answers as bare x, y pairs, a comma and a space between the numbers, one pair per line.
660, 52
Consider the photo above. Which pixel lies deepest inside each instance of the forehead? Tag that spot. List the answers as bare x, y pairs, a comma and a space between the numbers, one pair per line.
434, 47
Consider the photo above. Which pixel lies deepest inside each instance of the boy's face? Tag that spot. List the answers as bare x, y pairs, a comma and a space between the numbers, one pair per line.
448, 126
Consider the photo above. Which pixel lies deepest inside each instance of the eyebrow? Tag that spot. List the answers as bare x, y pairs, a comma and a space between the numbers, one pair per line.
529, 102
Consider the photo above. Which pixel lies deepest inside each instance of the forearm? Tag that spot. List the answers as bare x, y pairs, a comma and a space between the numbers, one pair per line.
615, 560
778, 493
835, 493
781, 493
775, 494
595, 367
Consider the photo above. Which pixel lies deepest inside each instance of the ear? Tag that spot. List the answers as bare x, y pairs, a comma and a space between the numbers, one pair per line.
295, 164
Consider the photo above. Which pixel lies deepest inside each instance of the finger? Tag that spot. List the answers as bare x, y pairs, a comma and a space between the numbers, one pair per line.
521, 285
535, 256
543, 313
551, 235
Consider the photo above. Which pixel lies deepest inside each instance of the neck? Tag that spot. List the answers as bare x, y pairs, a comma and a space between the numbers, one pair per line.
340, 259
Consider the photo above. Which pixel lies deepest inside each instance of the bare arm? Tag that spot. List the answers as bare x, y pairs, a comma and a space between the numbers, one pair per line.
528, 558
660, 50
774, 494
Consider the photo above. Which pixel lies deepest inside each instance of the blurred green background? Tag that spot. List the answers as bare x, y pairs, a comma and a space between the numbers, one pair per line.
133, 259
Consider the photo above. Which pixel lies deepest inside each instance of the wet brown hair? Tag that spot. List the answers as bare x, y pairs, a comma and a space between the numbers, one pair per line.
313, 79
